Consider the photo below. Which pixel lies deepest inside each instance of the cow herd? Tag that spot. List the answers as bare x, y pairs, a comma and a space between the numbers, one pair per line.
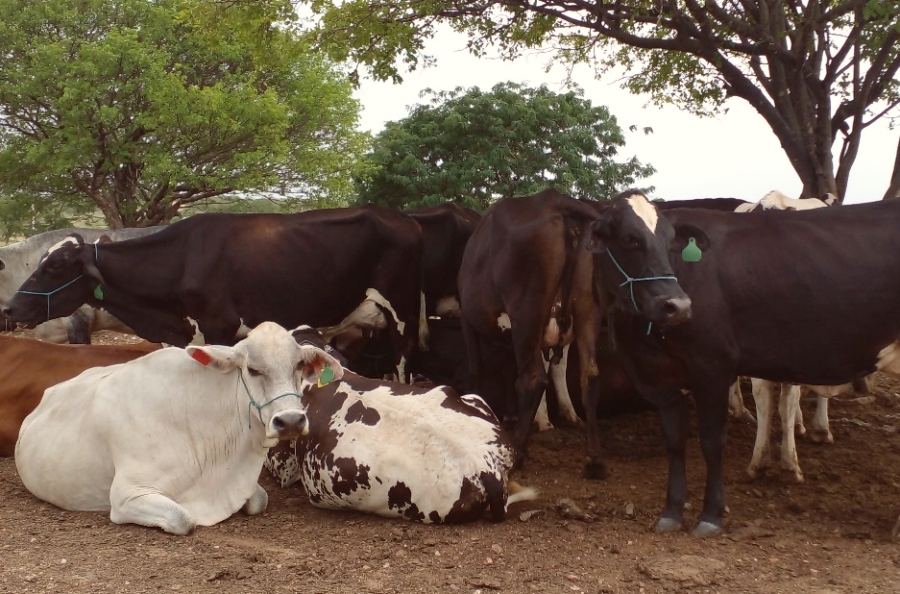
675, 298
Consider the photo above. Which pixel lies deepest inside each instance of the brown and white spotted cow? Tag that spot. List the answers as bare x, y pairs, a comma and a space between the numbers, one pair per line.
359, 456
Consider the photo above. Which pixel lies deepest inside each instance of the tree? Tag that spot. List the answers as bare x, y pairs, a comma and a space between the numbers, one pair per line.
473, 147
817, 71
133, 108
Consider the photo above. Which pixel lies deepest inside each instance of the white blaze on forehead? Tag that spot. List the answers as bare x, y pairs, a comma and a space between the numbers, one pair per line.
504, 322
643, 209
59, 245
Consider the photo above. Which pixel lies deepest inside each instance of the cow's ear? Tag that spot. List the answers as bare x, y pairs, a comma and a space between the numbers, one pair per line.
89, 257
684, 233
599, 234
220, 358
318, 367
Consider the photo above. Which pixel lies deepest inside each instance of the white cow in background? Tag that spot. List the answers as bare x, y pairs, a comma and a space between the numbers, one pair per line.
789, 394
174, 439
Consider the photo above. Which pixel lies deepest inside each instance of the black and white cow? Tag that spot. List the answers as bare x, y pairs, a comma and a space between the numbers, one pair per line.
423, 454
19, 260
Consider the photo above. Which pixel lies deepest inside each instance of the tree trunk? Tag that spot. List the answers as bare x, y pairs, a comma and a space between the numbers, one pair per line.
893, 190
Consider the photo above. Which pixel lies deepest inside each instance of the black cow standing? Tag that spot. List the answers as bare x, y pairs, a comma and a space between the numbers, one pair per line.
525, 271
223, 270
802, 297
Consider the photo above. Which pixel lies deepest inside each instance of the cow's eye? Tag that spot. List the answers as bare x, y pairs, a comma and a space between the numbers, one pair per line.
254, 372
632, 242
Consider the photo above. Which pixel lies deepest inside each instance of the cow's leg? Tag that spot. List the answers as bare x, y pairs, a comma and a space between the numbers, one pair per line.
563, 398
79, 325
819, 431
712, 423
257, 502
542, 417
736, 403
531, 381
673, 412
148, 509
799, 427
589, 382
762, 396
367, 315
788, 406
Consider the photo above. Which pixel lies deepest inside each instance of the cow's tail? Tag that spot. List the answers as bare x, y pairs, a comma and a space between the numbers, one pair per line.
423, 323
519, 493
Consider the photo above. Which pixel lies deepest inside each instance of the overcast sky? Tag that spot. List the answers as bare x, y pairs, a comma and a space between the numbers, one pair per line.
735, 154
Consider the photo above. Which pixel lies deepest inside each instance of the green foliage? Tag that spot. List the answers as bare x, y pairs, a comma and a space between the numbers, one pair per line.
473, 147
817, 72
139, 108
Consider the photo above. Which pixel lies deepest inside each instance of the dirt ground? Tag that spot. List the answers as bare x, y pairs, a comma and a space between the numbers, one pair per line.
829, 535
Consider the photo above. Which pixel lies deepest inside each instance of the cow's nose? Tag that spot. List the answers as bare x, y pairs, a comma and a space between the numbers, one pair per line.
6, 312
676, 310
290, 425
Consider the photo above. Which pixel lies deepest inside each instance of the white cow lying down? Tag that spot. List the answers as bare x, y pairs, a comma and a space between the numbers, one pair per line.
424, 454
174, 439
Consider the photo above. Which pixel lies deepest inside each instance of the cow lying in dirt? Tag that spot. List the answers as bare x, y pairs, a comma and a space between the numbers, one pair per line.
424, 454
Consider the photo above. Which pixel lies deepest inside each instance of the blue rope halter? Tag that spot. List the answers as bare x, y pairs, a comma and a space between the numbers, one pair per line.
630, 282
254, 404
47, 294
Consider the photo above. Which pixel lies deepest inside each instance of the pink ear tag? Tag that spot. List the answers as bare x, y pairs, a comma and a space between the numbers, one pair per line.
201, 357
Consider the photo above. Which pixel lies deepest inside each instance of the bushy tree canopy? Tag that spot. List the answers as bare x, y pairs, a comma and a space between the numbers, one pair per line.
130, 107
817, 71
473, 147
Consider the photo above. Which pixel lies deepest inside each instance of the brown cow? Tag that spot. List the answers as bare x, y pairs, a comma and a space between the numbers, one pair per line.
28, 367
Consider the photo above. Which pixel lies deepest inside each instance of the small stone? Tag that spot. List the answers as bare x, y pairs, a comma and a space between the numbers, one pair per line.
630, 513
532, 513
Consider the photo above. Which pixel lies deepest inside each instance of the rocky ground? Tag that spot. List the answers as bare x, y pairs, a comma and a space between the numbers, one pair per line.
828, 535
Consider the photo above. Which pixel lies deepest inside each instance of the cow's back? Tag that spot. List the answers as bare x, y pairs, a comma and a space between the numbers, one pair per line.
283, 267
161, 422
829, 279
399, 451
28, 367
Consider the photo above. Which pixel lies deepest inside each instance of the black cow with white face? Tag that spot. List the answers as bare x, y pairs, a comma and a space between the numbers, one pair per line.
800, 297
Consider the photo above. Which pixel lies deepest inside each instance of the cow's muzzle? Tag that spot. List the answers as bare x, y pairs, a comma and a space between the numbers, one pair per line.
672, 310
289, 425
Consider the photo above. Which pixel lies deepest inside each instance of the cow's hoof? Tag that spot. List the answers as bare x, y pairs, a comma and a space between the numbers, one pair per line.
746, 417
704, 529
794, 475
595, 470
820, 436
754, 473
667, 525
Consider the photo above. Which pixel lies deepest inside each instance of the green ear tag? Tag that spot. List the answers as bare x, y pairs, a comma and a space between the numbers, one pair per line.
326, 377
98, 292
691, 253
